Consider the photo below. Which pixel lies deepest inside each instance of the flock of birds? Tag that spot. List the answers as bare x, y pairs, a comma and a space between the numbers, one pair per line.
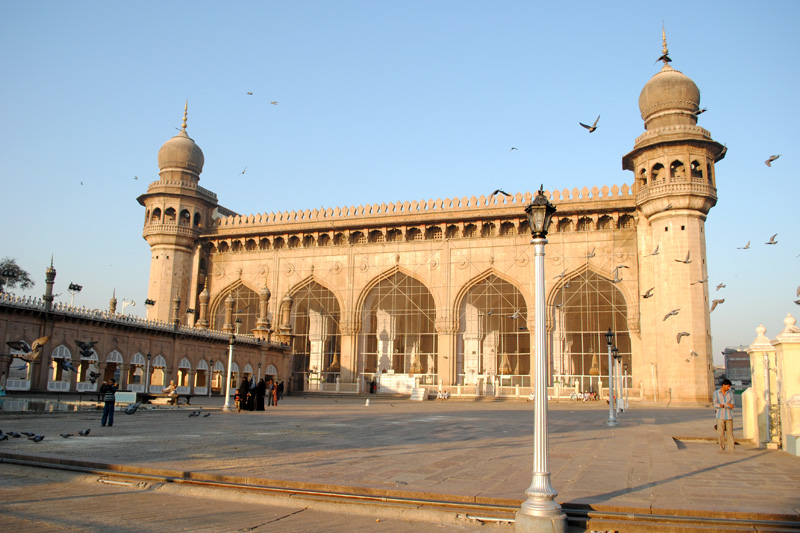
30, 353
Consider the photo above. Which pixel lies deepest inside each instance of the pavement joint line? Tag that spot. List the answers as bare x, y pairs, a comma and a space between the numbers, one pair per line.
344, 494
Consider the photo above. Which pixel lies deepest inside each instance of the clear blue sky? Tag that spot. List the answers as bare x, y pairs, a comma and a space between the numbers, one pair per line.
380, 102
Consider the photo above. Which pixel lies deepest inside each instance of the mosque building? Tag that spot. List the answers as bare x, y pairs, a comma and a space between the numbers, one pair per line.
440, 293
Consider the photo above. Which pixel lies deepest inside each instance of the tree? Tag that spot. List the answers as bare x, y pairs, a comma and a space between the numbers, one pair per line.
12, 276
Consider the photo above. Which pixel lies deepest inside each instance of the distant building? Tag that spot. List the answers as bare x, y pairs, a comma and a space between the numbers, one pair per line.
737, 365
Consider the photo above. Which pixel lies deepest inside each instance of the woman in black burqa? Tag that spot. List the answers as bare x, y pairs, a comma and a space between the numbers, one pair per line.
261, 391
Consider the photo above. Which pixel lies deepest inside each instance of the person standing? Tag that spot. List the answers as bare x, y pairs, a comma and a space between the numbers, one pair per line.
109, 391
723, 402
280, 390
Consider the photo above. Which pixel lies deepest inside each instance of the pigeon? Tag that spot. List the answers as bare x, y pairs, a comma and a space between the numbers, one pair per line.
772, 158
29, 353
616, 279
693, 353
772, 240
86, 348
561, 275
682, 334
721, 286
3, 437
669, 206
655, 251
592, 127
28, 434
20, 367
700, 281
591, 254
797, 302
500, 191
649, 293
274, 102
67, 435
206, 415
67, 364
250, 93
132, 408
671, 313
36, 438
745, 247
700, 111
514, 148
516, 315
715, 303
685, 261
491, 311
84, 432
194, 413
14, 434
93, 377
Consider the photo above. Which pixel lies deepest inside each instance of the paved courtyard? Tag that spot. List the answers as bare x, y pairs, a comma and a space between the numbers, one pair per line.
658, 460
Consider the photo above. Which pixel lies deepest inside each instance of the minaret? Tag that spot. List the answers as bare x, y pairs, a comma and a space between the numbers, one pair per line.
177, 210
49, 279
112, 303
675, 187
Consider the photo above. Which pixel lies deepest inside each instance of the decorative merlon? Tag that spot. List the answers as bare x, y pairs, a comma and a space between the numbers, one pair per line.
429, 207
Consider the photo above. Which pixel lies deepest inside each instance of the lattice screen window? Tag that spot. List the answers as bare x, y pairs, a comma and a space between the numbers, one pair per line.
316, 343
397, 331
245, 307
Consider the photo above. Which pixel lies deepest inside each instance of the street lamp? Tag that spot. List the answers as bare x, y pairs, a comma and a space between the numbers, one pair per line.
259, 371
73, 289
148, 303
147, 376
618, 376
231, 339
612, 418
540, 512
210, 375
126, 303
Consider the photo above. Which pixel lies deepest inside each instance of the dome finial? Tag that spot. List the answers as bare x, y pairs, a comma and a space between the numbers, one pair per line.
664, 52
185, 112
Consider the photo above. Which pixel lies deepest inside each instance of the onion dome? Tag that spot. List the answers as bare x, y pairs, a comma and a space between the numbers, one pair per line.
670, 98
181, 152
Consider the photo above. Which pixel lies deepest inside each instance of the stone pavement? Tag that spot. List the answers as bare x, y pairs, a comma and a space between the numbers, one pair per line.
658, 460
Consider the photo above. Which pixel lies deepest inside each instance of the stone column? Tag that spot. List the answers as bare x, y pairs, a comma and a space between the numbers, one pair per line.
228, 327
123, 376
350, 365
446, 367
754, 419
787, 352
202, 322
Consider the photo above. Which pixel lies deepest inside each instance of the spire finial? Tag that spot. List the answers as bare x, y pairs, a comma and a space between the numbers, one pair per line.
51, 260
664, 52
186, 112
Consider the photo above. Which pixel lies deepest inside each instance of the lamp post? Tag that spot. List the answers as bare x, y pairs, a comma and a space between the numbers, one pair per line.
618, 378
612, 418
147, 376
73, 289
259, 371
148, 303
231, 339
210, 375
540, 512
126, 303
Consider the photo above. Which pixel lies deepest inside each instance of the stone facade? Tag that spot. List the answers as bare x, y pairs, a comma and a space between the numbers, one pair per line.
440, 291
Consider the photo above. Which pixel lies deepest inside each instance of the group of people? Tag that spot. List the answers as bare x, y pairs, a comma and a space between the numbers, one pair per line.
250, 395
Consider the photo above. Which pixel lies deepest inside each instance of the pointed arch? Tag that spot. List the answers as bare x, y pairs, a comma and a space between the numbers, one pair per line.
246, 306
114, 357
383, 276
184, 363
137, 359
159, 362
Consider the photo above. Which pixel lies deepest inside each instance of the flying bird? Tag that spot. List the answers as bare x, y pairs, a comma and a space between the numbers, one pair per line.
516, 315
700, 111
685, 261
592, 127
67, 364
722, 286
245, 170
715, 303
490, 312
671, 313
616, 279
86, 348
682, 334
655, 251
29, 353
514, 148
500, 191
136, 177
649, 293
93, 377
249, 93
132, 408
700, 281
797, 302
591, 254
772, 158
274, 102
772, 240
20, 367
745, 247
798, 290
564, 273
669, 206
84, 432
